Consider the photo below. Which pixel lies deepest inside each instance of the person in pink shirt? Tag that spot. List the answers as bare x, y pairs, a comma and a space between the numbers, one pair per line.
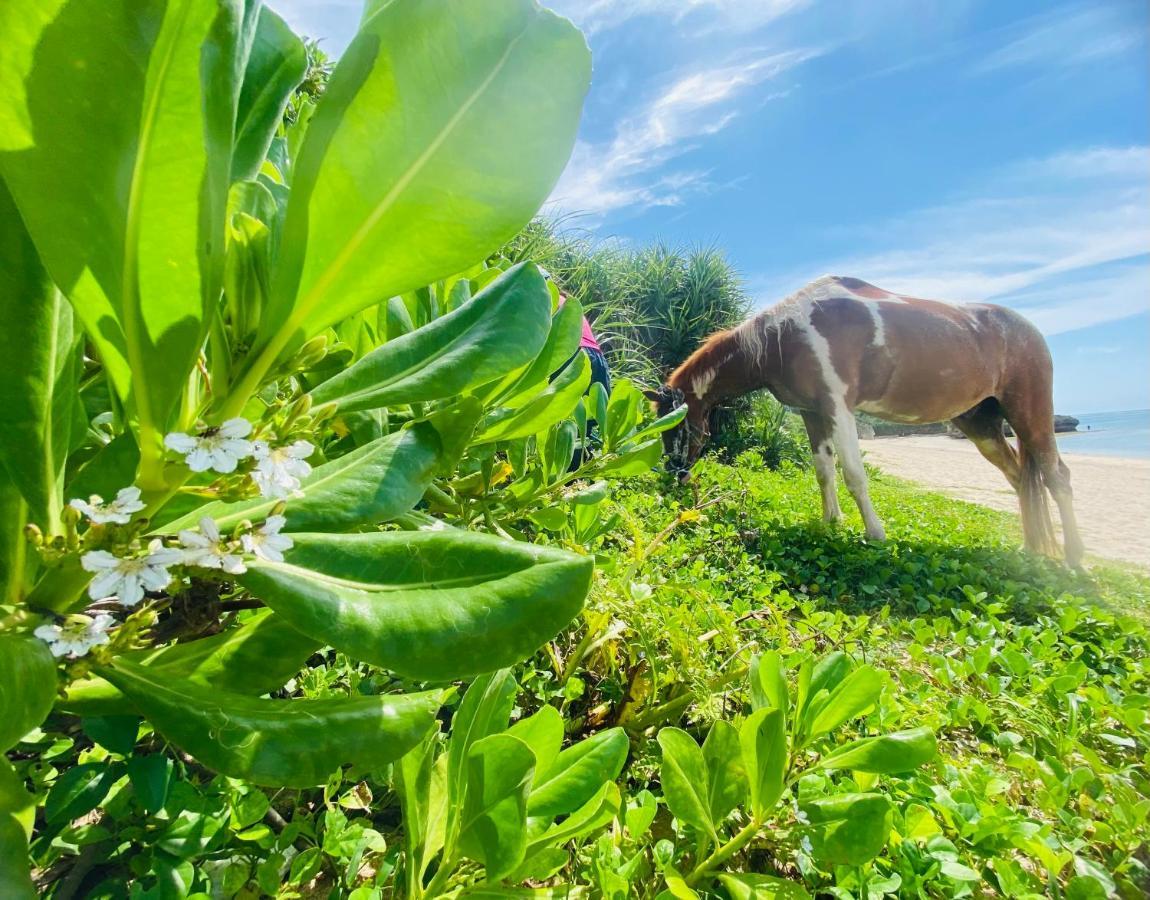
599, 372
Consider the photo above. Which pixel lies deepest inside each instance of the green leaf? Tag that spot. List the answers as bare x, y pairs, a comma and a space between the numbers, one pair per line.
543, 733
374, 483
769, 682
112, 467
857, 693
293, 743
899, 751
850, 829
505, 326
745, 886
17, 814
40, 388
150, 776
27, 686
411, 169
493, 824
684, 778
763, 738
578, 773
554, 403
599, 809
80, 790
413, 777
16, 563
141, 183
117, 734
641, 811
254, 658
726, 773
276, 65
429, 605
484, 711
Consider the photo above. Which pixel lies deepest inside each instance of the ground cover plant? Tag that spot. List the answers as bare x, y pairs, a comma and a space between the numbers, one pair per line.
316, 583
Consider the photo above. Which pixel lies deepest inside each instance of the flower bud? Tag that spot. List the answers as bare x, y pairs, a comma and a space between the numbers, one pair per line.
311, 353
33, 535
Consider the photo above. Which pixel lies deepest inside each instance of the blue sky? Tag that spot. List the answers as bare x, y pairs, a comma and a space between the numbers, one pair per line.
964, 149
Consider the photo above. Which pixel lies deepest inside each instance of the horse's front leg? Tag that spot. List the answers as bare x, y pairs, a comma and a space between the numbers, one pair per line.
820, 430
846, 440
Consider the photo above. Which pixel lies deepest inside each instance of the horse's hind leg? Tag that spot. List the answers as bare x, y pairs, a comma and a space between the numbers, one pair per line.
1033, 422
846, 439
820, 430
983, 425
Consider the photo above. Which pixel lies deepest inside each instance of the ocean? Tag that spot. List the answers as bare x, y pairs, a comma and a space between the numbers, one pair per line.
1124, 433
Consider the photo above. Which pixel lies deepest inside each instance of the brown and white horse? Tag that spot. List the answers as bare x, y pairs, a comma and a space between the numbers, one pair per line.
840, 345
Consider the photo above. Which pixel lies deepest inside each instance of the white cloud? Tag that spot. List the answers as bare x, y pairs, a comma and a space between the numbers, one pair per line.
595, 16
1066, 240
1070, 36
628, 170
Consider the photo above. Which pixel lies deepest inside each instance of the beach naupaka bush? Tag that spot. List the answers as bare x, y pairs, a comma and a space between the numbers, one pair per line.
182, 278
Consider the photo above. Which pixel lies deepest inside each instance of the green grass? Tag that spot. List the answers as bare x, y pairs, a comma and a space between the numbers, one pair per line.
1032, 676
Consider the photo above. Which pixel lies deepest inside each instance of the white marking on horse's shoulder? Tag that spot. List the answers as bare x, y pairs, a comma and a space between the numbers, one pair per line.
701, 383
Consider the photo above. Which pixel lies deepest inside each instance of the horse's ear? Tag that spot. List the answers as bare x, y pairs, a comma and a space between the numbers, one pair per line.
653, 396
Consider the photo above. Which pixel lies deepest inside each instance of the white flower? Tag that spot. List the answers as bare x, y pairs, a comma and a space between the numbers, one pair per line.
118, 511
76, 636
129, 577
267, 542
205, 548
219, 448
279, 469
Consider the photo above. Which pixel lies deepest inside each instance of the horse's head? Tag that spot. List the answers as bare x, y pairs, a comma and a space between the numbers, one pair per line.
684, 443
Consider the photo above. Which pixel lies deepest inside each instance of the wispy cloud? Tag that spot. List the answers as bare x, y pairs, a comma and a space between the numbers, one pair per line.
630, 169
1064, 239
595, 16
1067, 36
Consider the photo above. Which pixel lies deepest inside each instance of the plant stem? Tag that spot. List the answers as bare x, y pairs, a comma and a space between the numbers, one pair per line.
441, 877
723, 852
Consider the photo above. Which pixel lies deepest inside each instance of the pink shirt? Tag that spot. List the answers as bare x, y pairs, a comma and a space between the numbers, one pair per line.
587, 341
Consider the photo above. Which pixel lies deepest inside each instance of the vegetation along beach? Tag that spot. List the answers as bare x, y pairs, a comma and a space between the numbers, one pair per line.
433, 463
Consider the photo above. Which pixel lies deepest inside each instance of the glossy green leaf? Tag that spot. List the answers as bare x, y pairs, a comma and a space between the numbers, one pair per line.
116, 734
849, 829
684, 779
141, 183
411, 169
80, 790
745, 886
852, 697
503, 327
293, 743
276, 64
549, 406
493, 824
17, 813
40, 387
726, 772
899, 751
112, 467
641, 811
150, 776
543, 733
578, 773
254, 658
763, 738
412, 777
429, 605
562, 344
27, 686
372, 484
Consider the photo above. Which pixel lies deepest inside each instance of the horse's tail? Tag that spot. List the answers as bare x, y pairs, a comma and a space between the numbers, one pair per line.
1037, 526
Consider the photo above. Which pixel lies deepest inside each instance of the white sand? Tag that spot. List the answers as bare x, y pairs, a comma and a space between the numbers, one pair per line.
1111, 494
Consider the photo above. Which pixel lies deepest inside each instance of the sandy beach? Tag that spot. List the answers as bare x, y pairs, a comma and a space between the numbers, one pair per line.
1111, 495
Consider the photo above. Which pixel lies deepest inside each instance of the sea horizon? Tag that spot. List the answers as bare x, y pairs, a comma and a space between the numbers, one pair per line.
1123, 432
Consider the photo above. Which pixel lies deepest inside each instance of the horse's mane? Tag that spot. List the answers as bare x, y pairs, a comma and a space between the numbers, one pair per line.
749, 338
